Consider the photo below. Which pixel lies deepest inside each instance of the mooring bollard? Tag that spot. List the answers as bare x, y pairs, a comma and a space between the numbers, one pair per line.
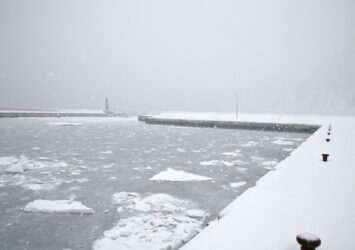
325, 157
327, 139
308, 241
328, 133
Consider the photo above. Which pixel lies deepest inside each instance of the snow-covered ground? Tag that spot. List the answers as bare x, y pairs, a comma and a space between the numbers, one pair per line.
303, 194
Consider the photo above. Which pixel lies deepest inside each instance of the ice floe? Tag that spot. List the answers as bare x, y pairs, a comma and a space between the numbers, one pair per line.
164, 222
15, 165
269, 163
195, 213
155, 202
178, 175
58, 206
108, 166
237, 184
61, 164
216, 163
64, 123
8, 160
287, 149
282, 142
241, 169
232, 154
42, 186
82, 180
16, 168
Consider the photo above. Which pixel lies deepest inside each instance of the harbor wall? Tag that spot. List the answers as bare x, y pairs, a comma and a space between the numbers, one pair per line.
279, 127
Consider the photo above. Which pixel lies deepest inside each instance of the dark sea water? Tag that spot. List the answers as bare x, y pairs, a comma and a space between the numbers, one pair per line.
102, 157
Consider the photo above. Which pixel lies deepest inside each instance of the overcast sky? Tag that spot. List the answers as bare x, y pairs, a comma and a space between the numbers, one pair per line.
155, 55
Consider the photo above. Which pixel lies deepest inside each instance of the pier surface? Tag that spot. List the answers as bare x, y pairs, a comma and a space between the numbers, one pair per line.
13, 113
303, 194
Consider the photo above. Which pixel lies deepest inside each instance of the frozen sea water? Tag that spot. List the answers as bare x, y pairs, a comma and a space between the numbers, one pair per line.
92, 162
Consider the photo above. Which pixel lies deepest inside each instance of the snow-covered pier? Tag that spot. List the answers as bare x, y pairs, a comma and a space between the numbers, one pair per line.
264, 126
303, 194
51, 113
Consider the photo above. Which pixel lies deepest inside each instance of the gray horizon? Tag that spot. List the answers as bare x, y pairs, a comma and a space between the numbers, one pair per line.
279, 56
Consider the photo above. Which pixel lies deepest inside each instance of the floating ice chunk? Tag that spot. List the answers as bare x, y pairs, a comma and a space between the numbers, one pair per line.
76, 172
249, 144
17, 168
228, 164
195, 213
209, 163
237, 184
82, 180
269, 168
150, 231
42, 186
17, 165
155, 202
123, 197
106, 152
216, 162
282, 142
43, 158
269, 163
180, 150
163, 202
58, 206
8, 160
257, 159
120, 210
36, 165
108, 166
64, 123
61, 164
178, 175
239, 162
232, 154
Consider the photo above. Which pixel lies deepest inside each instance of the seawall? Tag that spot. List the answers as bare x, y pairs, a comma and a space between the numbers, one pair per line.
263, 126
49, 114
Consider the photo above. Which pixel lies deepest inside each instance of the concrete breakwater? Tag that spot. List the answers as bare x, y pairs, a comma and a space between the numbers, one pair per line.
280, 127
49, 114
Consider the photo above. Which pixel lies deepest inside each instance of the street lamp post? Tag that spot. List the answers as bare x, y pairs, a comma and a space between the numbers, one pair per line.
236, 106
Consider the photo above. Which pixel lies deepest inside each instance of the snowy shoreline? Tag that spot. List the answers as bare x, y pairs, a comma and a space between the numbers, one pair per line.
303, 194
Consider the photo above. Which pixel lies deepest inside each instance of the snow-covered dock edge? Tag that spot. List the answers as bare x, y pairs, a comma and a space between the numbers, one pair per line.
303, 194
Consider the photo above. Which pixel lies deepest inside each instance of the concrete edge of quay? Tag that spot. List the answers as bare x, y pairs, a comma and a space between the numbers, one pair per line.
262, 126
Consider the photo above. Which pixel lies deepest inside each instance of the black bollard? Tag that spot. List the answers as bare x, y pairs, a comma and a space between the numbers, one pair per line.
308, 241
328, 133
327, 139
325, 157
